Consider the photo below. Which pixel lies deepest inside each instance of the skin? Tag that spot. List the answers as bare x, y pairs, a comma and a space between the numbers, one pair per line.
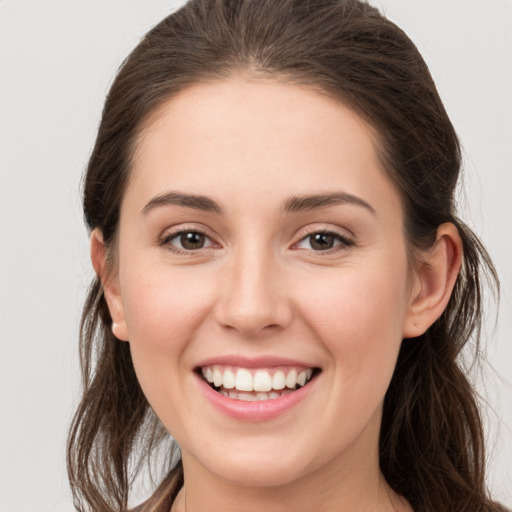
259, 287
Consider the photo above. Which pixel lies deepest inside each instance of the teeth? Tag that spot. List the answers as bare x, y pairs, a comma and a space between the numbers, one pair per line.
229, 379
278, 381
243, 380
217, 377
246, 396
260, 381
291, 379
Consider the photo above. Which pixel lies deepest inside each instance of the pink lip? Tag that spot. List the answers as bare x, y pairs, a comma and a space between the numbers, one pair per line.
253, 362
254, 411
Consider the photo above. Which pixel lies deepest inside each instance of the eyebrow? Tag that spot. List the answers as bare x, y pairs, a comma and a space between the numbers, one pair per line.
196, 202
312, 202
292, 205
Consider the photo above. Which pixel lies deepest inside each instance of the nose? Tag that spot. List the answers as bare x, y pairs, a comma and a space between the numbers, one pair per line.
253, 298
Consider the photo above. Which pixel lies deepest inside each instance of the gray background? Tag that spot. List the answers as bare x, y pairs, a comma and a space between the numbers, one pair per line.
57, 61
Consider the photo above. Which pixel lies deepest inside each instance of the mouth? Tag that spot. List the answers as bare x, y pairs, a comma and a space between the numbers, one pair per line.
256, 384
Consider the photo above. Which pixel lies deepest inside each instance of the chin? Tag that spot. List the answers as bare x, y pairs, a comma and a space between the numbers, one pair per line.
260, 467
261, 475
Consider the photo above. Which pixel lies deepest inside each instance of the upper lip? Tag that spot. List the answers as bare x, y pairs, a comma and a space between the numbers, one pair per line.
254, 362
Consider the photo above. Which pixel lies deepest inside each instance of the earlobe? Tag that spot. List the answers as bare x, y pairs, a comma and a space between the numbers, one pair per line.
110, 285
435, 278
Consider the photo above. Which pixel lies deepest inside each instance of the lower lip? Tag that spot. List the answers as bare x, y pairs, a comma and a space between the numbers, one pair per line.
260, 410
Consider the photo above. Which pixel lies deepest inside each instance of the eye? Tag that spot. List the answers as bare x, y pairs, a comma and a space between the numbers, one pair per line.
186, 241
324, 241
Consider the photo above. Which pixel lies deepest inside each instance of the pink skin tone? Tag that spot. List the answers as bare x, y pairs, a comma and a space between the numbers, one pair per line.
260, 288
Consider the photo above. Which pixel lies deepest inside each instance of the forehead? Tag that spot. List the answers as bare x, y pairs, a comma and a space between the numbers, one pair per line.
270, 109
249, 135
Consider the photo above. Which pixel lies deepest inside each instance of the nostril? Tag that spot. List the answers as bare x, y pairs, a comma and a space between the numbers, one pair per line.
250, 326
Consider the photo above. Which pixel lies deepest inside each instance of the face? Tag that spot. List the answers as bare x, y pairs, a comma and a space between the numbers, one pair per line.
261, 246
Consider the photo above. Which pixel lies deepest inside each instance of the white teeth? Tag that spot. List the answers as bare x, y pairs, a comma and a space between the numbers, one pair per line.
243, 381
217, 377
229, 379
262, 381
291, 379
253, 397
247, 397
278, 380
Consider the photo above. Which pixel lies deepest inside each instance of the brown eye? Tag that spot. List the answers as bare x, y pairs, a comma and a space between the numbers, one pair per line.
187, 241
324, 241
191, 240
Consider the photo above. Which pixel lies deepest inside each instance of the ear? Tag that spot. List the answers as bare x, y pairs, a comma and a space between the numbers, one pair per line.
110, 285
433, 282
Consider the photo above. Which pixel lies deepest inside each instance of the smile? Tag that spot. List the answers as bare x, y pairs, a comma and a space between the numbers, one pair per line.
256, 384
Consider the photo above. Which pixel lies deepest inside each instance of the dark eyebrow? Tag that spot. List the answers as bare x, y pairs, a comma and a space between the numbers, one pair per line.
188, 200
311, 202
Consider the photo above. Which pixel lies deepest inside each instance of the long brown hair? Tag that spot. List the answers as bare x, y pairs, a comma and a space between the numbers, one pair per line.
431, 442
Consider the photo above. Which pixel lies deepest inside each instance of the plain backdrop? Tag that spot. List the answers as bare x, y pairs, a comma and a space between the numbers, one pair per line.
57, 61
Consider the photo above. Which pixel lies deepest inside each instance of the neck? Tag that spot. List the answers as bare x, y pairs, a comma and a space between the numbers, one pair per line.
378, 497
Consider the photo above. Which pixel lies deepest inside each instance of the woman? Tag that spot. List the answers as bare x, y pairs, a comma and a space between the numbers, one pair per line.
283, 283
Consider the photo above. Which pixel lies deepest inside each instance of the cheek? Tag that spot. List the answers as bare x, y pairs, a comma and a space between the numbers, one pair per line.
163, 306
358, 315
164, 310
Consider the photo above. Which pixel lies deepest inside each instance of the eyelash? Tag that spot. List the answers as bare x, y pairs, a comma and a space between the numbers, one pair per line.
345, 243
